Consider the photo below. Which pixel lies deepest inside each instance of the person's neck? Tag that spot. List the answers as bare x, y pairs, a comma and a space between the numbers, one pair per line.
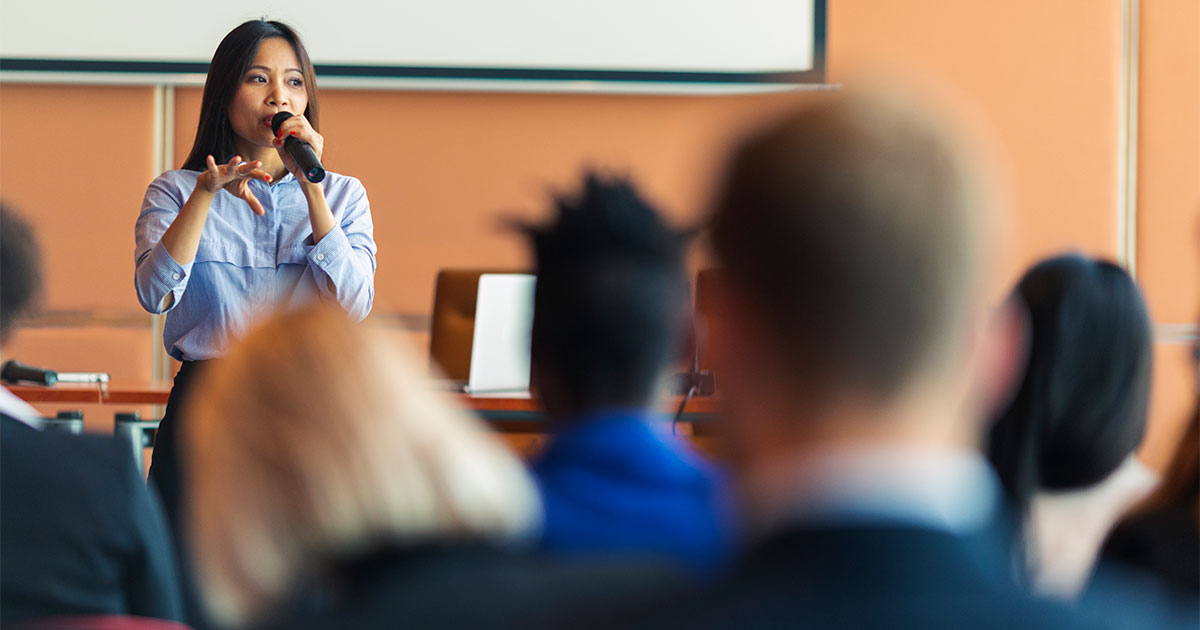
577, 415
271, 162
796, 434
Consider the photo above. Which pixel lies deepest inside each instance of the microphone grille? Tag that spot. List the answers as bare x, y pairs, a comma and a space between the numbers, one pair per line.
278, 120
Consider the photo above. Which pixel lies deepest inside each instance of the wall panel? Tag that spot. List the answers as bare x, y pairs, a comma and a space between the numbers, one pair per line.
1168, 244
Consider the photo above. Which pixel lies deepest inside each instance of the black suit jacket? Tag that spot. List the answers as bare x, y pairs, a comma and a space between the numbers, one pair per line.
860, 577
79, 532
1163, 543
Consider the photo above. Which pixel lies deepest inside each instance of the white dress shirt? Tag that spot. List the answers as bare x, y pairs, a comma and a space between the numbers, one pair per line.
18, 409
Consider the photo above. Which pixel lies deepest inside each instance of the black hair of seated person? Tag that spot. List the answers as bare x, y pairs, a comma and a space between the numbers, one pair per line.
1161, 536
1080, 408
20, 270
610, 301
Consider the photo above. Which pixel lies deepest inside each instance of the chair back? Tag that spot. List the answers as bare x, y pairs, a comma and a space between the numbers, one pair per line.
706, 293
99, 622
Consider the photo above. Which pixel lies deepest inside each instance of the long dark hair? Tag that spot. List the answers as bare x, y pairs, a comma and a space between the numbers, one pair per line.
1081, 407
214, 134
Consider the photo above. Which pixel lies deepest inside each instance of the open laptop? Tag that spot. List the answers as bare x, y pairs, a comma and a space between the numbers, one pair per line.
502, 336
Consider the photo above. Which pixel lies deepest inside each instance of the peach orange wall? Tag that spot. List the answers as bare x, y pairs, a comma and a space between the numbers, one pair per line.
1168, 205
1042, 76
75, 161
440, 167
1168, 197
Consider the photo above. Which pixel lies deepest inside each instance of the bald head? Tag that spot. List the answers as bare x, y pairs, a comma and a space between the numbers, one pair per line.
848, 232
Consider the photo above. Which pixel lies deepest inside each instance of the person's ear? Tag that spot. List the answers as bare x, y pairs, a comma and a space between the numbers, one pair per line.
736, 339
1002, 351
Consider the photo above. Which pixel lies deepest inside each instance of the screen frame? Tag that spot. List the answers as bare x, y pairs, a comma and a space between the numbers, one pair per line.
351, 76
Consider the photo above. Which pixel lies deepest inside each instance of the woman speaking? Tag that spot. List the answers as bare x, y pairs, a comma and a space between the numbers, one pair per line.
239, 231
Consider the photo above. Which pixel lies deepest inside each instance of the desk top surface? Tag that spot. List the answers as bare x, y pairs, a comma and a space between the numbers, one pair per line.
157, 393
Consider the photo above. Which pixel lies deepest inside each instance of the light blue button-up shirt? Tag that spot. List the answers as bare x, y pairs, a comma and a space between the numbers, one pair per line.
248, 265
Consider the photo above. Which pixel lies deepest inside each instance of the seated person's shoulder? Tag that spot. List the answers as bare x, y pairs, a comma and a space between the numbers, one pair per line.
479, 586
45, 466
22, 443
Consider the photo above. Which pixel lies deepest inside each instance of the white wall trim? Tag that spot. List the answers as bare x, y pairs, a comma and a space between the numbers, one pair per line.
1176, 333
1127, 139
164, 158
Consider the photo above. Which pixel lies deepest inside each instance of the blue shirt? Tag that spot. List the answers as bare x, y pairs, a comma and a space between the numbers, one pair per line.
611, 482
249, 265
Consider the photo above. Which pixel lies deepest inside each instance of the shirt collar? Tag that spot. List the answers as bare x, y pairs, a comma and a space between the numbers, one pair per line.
287, 177
18, 409
613, 415
939, 488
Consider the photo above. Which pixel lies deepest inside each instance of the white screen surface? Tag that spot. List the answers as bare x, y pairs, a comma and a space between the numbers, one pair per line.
663, 36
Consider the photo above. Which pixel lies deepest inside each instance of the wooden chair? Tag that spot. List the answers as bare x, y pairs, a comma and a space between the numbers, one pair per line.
707, 281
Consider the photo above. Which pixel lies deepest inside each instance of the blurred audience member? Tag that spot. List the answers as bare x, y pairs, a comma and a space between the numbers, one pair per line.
850, 339
333, 489
610, 311
1064, 447
1161, 537
79, 532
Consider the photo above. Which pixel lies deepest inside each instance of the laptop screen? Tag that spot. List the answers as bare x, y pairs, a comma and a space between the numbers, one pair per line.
502, 337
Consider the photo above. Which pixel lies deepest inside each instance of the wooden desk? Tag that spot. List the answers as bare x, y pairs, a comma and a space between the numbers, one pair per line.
506, 414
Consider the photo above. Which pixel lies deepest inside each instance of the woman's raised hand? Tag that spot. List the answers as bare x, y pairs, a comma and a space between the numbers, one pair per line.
235, 177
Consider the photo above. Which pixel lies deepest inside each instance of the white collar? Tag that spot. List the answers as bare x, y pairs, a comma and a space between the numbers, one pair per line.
18, 409
939, 488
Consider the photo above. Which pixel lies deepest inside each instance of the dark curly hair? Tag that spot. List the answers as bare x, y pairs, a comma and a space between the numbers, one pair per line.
20, 270
611, 297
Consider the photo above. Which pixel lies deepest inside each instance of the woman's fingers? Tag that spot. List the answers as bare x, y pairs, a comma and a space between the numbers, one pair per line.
213, 183
221, 175
258, 174
235, 177
243, 191
245, 169
299, 127
230, 170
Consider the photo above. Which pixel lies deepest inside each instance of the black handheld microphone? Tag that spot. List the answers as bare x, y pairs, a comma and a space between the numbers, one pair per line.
300, 151
14, 372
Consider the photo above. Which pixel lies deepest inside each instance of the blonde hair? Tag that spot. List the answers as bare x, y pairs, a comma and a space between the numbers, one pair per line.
313, 439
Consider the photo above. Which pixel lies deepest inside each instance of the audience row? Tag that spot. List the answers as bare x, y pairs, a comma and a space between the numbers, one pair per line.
898, 451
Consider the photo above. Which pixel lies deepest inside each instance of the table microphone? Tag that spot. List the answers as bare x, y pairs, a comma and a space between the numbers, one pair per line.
300, 151
14, 372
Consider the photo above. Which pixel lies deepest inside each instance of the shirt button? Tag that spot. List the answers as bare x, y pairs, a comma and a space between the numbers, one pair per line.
174, 276
320, 256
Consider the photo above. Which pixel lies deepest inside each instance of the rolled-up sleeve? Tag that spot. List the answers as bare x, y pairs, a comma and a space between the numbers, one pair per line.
156, 273
343, 262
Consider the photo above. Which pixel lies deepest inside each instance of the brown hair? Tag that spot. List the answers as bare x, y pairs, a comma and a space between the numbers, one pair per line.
848, 228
